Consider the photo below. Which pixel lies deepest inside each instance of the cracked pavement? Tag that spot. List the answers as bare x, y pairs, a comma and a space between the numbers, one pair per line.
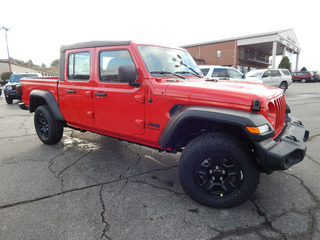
90, 186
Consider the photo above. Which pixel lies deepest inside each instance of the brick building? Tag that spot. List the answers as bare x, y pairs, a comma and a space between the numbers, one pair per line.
249, 52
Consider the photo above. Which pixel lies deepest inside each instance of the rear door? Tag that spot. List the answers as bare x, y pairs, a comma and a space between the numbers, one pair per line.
276, 78
75, 92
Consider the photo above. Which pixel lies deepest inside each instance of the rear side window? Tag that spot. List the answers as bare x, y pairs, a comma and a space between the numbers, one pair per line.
219, 72
79, 66
275, 73
286, 72
110, 61
234, 74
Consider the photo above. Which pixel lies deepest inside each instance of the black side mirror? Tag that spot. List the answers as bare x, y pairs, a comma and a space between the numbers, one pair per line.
243, 76
127, 73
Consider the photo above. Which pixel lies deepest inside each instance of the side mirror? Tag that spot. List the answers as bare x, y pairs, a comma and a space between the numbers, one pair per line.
243, 76
127, 73
7, 80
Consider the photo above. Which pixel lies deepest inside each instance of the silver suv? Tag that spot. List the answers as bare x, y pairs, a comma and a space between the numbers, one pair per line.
280, 78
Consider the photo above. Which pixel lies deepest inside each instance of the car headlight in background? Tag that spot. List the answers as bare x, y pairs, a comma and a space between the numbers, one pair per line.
8, 87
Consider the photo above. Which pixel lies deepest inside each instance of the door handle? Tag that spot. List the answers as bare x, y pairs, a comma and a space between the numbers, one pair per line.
100, 94
71, 91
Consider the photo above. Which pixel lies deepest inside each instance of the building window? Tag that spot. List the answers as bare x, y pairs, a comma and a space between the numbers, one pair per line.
218, 53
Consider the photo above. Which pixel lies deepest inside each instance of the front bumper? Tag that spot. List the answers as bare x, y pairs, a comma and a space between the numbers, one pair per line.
289, 148
12, 94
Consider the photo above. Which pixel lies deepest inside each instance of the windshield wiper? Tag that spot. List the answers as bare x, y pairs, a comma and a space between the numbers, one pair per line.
164, 73
194, 74
183, 64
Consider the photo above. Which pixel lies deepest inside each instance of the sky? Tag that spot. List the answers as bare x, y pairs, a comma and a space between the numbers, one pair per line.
39, 28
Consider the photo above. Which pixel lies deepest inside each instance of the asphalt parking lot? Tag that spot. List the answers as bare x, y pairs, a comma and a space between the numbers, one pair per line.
90, 186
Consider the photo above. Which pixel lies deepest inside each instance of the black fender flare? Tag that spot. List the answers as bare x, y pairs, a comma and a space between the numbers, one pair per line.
49, 99
180, 114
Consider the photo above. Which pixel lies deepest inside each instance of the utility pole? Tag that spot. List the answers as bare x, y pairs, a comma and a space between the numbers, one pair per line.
5, 31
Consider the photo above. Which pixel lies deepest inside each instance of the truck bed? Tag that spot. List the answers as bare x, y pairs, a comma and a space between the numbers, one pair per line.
47, 84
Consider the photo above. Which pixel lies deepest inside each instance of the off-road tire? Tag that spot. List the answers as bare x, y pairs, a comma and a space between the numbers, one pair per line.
218, 170
49, 130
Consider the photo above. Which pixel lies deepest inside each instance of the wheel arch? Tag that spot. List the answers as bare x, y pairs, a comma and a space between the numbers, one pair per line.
42, 97
187, 122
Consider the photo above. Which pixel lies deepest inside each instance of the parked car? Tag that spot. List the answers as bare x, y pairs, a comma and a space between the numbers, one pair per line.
316, 75
303, 76
280, 78
223, 73
10, 89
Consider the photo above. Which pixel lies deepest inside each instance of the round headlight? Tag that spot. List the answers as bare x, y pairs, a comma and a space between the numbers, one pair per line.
9, 87
272, 113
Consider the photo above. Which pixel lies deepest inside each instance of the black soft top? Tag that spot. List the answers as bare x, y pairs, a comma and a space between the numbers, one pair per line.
93, 44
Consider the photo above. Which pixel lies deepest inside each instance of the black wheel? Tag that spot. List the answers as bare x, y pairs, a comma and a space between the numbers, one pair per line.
217, 170
9, 100
283, 86
48, 129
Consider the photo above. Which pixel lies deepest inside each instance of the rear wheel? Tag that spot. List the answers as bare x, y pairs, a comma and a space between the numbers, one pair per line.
49, 130
217, 170
303, 80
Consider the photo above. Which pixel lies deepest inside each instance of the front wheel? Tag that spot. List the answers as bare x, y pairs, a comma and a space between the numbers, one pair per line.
217, 170
283, 86
9, 100
49, 130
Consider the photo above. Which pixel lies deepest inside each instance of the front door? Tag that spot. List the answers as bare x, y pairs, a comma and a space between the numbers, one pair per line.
118, 107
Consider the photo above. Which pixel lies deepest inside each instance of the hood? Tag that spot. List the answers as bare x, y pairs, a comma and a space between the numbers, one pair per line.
222, 92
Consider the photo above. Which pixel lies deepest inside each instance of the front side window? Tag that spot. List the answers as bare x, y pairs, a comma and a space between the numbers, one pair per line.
110, 61
79, 66
267, 74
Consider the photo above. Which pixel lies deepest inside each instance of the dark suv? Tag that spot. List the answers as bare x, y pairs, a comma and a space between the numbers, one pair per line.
10, 89
302, 76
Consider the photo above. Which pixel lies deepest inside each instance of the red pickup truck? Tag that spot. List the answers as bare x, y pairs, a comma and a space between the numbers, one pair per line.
228, 132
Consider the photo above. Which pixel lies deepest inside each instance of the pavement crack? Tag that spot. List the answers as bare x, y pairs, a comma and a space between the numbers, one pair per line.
313, 137
54, 172
312, 211
81, 188
104, 222
66, 168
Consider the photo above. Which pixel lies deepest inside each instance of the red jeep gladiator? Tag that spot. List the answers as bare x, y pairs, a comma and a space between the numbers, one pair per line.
228, 132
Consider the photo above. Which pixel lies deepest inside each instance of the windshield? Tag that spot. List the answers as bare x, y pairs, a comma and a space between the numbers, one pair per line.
254, 73
159, 60
15, 78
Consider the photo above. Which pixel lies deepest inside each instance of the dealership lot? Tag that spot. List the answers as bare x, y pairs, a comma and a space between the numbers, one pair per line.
94, 187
